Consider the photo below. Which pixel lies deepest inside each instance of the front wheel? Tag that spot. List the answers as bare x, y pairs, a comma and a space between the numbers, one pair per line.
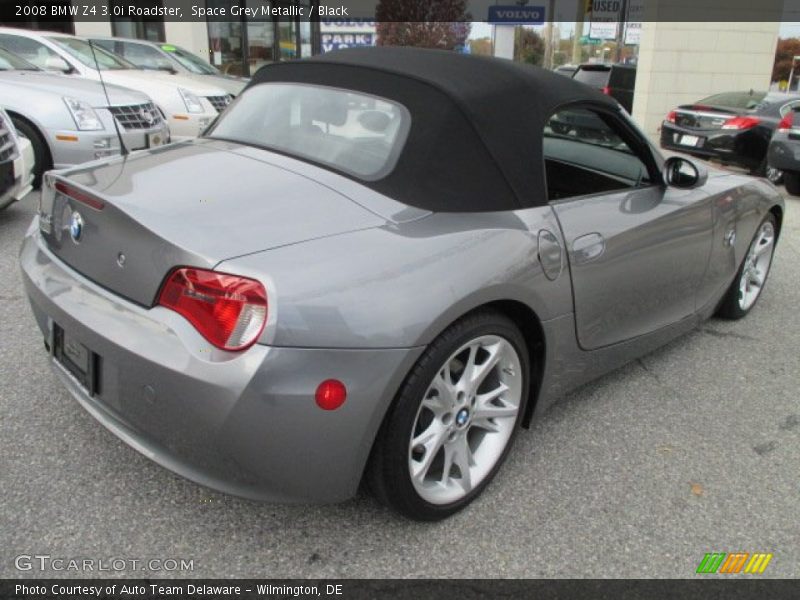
454, 419
752, 275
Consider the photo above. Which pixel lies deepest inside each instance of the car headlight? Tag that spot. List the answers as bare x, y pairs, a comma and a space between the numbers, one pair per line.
191, 100
83, 114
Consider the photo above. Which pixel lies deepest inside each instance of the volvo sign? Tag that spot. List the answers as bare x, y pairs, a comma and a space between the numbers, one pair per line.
516, 15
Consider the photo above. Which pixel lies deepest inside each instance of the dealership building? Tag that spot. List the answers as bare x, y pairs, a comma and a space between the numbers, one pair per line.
678, 61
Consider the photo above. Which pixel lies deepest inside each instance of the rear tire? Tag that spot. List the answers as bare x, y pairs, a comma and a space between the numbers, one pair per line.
746, 288
448, 433
791, 179
41, 153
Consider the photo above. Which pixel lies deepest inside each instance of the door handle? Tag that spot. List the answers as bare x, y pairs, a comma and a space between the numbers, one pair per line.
588, 247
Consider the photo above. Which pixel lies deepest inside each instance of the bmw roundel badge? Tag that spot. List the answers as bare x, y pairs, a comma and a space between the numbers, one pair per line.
76, 226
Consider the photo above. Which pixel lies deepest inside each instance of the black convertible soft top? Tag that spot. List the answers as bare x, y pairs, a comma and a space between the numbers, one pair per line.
475, 142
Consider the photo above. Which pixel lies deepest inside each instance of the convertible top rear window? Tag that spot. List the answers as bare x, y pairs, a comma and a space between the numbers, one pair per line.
474, 142
349, 131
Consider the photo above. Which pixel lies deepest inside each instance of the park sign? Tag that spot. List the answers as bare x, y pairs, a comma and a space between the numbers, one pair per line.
516, 15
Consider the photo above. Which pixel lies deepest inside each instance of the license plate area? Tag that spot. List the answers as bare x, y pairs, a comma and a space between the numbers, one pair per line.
76, 358
689, 140
156, 139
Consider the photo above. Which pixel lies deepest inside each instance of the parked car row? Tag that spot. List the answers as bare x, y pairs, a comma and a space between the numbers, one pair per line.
750, 129
75, 100
733, 127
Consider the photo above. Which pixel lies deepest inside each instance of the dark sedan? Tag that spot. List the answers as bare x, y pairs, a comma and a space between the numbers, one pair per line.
784, 151
733, 127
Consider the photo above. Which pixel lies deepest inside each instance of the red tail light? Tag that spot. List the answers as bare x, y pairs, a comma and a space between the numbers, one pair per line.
228, 310
671, 116
606, 90
787, 122
741, 123
79, 195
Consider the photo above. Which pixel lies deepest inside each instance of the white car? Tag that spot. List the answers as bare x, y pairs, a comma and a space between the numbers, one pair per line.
172, 59
16, 163
187, 105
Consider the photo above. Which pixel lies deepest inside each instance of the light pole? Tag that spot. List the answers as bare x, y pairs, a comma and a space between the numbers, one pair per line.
791, 73
623, 21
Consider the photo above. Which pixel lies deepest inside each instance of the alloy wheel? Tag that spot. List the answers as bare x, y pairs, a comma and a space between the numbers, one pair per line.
465, 420
774, 175
756, 265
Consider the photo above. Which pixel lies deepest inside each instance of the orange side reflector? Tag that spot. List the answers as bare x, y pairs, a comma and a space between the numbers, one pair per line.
67, 138
180, 117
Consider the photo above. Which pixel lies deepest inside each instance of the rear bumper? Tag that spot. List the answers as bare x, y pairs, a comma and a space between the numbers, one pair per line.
246, 423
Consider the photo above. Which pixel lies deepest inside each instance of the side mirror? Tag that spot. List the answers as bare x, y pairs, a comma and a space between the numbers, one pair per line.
682, 173
56, 63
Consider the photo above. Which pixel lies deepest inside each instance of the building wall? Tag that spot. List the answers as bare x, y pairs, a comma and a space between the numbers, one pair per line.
99, 28
192, 36
680, 63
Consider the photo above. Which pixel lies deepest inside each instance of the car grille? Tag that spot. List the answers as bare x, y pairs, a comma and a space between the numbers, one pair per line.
220, 102
8, 147
137, 116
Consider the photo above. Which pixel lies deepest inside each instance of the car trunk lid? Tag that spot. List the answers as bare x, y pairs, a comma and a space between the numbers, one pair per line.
704, 117
125, 224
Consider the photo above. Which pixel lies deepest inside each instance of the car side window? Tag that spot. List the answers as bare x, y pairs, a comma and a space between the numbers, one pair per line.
789, 107
584, 154
31, 50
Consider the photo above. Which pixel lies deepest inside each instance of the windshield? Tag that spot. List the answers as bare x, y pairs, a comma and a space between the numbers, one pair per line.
738, 100
11, 62
352, 132
143, 56
189, 61
82, 51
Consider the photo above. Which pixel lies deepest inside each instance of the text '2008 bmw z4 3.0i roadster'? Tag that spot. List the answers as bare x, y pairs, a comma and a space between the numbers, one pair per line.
379, 264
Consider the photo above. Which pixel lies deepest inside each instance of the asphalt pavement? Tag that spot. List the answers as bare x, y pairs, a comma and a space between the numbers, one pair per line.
694, 448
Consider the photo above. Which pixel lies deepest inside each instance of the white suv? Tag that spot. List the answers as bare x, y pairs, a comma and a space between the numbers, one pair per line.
188, 106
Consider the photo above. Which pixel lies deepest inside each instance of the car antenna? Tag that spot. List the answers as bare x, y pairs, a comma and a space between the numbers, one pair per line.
123, 150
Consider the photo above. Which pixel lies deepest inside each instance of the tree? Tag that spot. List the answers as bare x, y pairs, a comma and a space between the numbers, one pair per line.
787, 49
481, 46
442, 24
528, 46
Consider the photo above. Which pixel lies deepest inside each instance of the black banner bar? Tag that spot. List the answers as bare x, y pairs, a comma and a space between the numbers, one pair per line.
43, 11
703, 588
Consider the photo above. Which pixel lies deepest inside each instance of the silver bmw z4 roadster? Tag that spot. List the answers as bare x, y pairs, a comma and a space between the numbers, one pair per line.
377, 265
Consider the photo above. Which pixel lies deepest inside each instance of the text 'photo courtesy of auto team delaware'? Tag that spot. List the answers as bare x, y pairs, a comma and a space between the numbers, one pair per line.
460, 291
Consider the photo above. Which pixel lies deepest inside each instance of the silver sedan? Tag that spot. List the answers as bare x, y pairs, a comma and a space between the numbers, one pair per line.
70, 121
378, 265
